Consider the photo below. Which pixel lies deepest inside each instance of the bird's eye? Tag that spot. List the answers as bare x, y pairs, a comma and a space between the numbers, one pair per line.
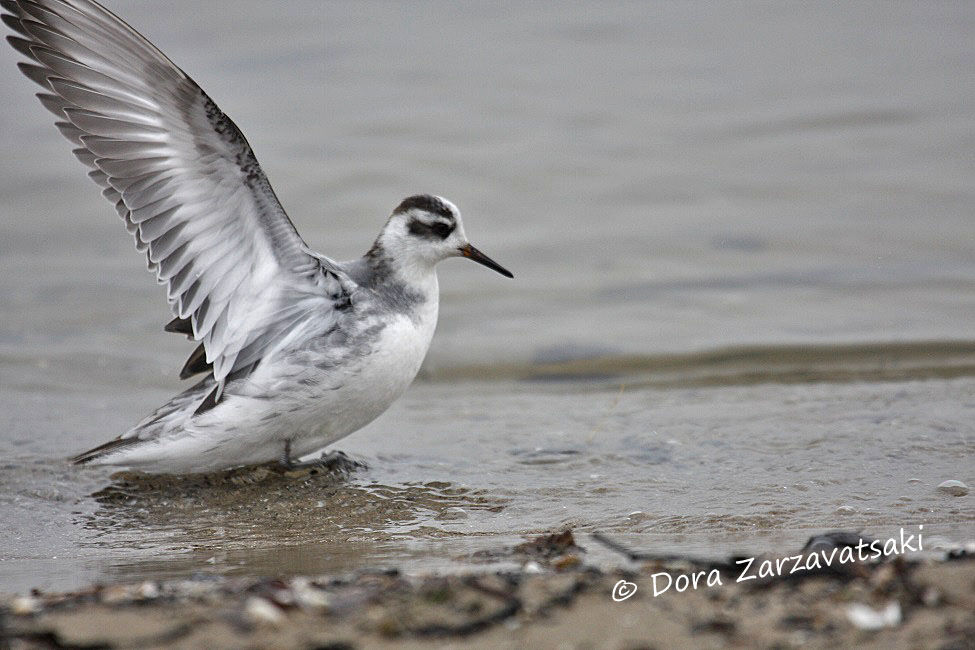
441, 229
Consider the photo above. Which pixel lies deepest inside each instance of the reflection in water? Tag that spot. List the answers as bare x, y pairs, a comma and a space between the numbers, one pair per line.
262, 521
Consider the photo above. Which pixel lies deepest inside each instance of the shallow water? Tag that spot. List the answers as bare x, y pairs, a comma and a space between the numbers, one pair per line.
745, 283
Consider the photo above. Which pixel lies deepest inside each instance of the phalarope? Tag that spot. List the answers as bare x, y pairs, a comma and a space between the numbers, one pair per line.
296, 350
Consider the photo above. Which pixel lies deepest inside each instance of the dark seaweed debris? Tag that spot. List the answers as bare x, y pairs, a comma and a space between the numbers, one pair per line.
932, 605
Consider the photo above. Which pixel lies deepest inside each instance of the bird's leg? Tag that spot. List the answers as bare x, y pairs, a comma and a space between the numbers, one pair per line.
286, 461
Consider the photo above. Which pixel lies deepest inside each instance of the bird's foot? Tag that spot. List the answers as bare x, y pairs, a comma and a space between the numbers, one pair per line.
338, 461
331, 461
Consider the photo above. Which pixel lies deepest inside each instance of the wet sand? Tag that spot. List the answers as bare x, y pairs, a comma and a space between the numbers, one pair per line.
554, 600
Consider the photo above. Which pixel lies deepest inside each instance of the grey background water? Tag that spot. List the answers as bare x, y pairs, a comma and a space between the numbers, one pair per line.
665, 180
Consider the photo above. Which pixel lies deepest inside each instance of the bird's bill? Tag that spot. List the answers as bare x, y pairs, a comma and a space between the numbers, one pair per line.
472, 253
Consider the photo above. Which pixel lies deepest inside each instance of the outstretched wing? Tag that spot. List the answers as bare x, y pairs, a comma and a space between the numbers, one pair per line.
180, 174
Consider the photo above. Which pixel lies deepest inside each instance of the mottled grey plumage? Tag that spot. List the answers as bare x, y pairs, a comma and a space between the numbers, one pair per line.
298, 350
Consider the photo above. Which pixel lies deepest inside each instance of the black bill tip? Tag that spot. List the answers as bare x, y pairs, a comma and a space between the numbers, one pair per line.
472, 253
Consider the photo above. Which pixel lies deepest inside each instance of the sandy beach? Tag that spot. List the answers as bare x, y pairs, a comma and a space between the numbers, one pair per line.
555, 600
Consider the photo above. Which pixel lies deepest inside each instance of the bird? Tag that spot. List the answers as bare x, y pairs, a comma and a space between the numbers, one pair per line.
294, 349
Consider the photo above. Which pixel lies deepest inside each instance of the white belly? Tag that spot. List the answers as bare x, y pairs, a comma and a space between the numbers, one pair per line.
364, 390
313, 407
294, 401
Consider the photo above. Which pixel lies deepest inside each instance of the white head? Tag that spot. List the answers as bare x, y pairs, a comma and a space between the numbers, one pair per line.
424, 230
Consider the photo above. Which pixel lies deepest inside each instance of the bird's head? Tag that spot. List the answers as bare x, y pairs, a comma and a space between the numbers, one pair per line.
424, 230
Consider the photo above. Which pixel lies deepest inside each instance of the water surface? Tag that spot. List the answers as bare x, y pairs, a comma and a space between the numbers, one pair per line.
745, 282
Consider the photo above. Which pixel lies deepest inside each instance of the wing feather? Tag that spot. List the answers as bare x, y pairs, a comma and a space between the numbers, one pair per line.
182, 177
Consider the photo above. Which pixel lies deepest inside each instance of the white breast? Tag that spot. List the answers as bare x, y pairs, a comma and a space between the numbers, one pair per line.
366, 388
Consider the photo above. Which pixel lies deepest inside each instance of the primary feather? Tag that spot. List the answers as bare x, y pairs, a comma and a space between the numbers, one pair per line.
180, 174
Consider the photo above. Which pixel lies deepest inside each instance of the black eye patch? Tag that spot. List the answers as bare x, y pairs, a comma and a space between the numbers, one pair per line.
436, 230
441, 229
